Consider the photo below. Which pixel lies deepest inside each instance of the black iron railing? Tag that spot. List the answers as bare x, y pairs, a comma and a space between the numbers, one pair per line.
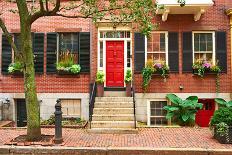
133, 95
93, 92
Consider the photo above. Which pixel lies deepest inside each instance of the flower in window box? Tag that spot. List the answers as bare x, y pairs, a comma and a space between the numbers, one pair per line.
67, 63
161, 68
15, 68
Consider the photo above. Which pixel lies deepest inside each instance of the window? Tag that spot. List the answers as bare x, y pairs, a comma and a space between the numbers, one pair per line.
157, 47
128, 54
71, 108
203, 46
115, 34
101, 54
156, 114
69, 43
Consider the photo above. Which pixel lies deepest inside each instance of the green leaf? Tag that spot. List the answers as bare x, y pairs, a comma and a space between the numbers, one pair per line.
229, 104
169, 115
185, 117
193, 99
221, 101
174, 99
170, 108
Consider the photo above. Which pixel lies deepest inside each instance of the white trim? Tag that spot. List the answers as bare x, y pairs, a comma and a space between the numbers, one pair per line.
166, 45
214, 45
104, 40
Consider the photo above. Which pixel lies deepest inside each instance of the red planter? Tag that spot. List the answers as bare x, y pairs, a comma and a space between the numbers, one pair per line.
128, 89
100, 90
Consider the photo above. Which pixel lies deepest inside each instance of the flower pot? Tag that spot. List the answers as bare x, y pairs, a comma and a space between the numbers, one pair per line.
128, 89
225, 138
100, 90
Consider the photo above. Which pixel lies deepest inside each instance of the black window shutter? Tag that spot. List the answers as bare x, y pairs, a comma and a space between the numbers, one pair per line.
84, 52
173, 51
51, 52
38, 49
221, 50
187, 60
6, 54
139, 48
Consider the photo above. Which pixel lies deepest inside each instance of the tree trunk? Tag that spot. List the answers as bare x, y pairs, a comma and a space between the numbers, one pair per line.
32, 104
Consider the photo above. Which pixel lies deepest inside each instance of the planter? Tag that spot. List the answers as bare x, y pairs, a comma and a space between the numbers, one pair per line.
223, 139
100, 90
128, 89
207, 72
62, 72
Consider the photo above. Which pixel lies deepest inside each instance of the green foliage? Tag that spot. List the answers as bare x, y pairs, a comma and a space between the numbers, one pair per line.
100, 78
183, 111
128, 77
223, 103
222, 128
15, 67
147, 74
222, 115
50, 121
67, 63
65, 121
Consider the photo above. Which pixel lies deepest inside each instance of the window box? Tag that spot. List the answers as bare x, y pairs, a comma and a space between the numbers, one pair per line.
225, 138
207, 72
63, 72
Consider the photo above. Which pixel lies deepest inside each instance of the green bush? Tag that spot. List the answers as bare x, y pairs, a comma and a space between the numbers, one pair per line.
100, 77
128, 77
16, 66
222, 115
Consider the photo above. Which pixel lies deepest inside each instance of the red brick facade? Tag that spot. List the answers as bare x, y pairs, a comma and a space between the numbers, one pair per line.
214, 19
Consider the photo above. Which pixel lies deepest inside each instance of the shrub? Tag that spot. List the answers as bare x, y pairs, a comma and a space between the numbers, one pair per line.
222, 115
14, 67
128, 77
100, 77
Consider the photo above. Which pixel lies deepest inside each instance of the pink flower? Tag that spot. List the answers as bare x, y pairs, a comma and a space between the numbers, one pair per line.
206, 65
158, 65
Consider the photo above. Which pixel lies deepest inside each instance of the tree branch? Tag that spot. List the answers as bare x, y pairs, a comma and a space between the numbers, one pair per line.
42, 13
9, 38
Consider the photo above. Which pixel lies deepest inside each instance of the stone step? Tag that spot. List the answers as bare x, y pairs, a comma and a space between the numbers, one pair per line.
113, 131
113, 99
112, 124
124, 117
114, 93
113, 111
113, 105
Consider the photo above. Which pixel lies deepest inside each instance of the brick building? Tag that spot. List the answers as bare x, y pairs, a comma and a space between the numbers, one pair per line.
199, 30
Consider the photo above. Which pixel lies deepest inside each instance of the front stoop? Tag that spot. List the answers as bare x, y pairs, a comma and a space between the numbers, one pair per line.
113, 115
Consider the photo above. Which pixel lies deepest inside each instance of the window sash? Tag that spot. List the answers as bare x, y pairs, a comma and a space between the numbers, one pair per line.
204, 52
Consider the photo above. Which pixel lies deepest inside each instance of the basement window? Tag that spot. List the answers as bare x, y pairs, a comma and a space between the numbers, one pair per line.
156, 114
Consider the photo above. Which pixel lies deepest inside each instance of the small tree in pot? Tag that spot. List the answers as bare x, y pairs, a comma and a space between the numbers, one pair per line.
128, 79
100, 83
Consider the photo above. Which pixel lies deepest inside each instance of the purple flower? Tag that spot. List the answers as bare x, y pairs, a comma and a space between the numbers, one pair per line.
158, 65
206, 65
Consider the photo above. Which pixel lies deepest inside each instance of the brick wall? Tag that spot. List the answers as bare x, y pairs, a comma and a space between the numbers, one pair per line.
213, 19
45, 83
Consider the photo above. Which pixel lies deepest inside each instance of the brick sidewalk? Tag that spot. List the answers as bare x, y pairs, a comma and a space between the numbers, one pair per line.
146, 137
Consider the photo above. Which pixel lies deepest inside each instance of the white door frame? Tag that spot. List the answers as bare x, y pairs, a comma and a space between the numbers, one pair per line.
103, 40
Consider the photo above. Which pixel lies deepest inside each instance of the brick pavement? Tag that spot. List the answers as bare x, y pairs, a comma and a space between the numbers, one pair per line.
147, 137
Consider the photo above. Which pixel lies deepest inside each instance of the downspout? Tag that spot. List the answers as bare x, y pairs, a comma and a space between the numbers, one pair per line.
229, 13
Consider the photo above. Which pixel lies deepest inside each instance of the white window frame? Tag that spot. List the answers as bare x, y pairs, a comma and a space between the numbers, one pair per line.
149, 112
166, 45
125, 40
214, 45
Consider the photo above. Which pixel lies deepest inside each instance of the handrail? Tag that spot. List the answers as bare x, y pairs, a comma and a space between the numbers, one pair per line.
92, 101
133, 95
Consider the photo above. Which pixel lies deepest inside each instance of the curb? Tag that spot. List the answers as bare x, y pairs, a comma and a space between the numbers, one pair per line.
110, 150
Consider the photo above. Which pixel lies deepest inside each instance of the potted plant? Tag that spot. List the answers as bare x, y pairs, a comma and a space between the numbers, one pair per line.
221, 122
161, 68
15, 68
128, 79
183, 111
100, 83
67, 64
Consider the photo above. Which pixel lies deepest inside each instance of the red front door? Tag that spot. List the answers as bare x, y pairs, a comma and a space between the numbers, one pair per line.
115, 64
